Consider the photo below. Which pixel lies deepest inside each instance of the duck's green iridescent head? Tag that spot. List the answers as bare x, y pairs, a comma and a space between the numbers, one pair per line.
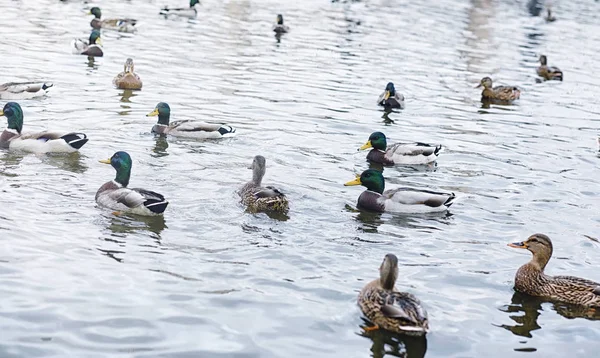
95, 38
13, 112
163, 111
96, 12
371, 179
376, 140
122, 163
194, 2
391, 89
279, 19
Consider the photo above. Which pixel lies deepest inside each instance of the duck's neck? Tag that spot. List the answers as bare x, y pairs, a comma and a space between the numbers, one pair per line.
388, 280
16, 123
539, 261
257, 176
164, 119
123, 176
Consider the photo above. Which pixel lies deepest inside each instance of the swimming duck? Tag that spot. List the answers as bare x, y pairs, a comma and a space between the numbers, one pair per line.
399, 200
23, 90
390, 98
549, 17
498, 94
91, 48
548, 72
187, 128
390, 309
279, 27
190, 11
116, 195
531, 279
399, 153
258, 198
128, 79
42, 142
121, 25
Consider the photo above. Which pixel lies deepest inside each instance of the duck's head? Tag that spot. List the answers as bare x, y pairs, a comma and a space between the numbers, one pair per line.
95, 38
259, 167
543, 60
371, 179
163, 111
485, 82
279, 19
194, 2
540, 246
121, 161
96, 12
388, 271
390, 90
376, 140
128, 67
13, 112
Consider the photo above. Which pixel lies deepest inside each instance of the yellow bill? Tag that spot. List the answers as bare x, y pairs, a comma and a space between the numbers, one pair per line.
387, 95
154, 113
366, 146
99, 41
354, 182
105, 161
1, 112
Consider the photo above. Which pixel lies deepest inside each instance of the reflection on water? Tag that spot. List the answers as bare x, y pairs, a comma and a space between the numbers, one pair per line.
395, 345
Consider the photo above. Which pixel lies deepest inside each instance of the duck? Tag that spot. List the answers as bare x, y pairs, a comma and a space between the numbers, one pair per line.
115, 194
531, 279
399, 153
92, 48
498, 94
399, 200
128, 79
42, 142
121, 25
548, 72
190, 11
24, 90
549, 17
187, 128
279, 27
390, 98
258, 198
389, 309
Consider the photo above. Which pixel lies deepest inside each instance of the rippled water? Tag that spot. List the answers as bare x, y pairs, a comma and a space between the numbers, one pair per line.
211, 280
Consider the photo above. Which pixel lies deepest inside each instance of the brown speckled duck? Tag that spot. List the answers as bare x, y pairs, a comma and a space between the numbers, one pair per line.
258, 198
531, 279
128, 79
390, 309
498, 94
548, 72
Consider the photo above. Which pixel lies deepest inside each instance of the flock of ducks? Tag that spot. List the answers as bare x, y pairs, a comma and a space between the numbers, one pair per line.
385, 306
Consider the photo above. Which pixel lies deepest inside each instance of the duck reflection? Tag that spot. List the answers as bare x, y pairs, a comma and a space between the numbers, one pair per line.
71, 162
160, 146
386, 117
91, 63
126, 95
127, 224
391, 344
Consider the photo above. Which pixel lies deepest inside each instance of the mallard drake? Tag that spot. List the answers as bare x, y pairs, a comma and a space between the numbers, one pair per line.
190, 11
390, 98
23, 90
549, 17
42, 142
279, 27
399, 200
258, 198
115, 194
390, 309
498, 94
548, 72
187, 128
91, 48
399, 153
121, 25
128, 79
532, 280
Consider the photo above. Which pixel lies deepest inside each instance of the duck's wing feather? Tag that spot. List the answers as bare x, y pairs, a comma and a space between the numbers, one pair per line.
19, 87
268, 192
507, 93
194, 126
404, 306
131, 198
381, 97
409, 196
413, 149
572, 281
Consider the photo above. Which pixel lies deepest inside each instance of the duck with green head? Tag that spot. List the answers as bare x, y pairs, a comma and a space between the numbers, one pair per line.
390, 98
258, 198
187, 128
399, 153
23, 90
189, 12
41, 142
128, 79
121, 25
92, 48
280, 27
548, 72
116, 195
498, 94
399, 200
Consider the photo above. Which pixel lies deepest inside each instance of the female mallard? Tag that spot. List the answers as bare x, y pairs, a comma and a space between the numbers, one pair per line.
187, 128
279, 27
128, 79
498, 94
258, 198
121, 25
23, 90
92, 48
190, 11
387, 308
399, 153
116, 195
548, 72
390, 98
42, 142
399, 200
531, 279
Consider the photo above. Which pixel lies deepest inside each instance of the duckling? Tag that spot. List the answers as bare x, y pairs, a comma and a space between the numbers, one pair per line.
187, 128
115, 194
498, 94
42, 142
258, 198
390, 309
399, 200
24, 90
279, 27
128, 79
531, 279
121, 25
548, 72
399, 153
390, 98
549, 17
190, 11
91, 48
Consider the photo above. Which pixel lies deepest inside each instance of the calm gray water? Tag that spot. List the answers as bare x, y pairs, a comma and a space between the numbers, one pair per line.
209, 280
